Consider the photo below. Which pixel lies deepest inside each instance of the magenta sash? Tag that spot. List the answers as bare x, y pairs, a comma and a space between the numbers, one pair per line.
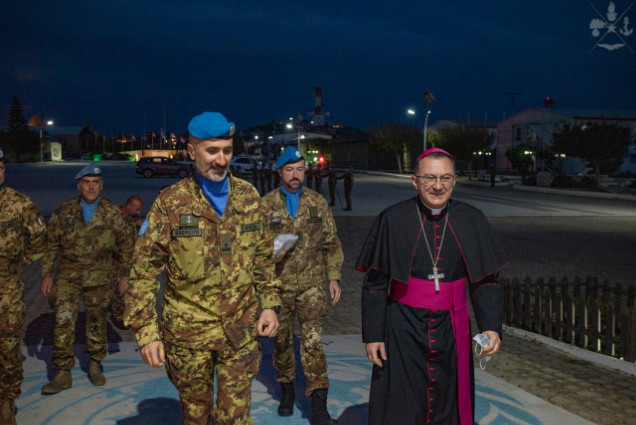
452, 297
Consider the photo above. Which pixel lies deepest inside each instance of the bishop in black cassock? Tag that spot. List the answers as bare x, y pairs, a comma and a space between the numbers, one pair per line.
421, 257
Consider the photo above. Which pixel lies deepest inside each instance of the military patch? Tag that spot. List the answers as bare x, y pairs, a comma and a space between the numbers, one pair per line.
143, 228
313, 215
252, 227
39, 221
188, 221
69, 223
11, 223
226, 243
275, 223
182, 233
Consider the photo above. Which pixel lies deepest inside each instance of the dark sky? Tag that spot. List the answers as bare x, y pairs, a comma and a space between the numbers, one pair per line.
117, 63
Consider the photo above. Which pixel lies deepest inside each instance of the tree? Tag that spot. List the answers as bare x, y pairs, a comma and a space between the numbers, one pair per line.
395, 139
520, 160
463, 140
17, 121
604, 145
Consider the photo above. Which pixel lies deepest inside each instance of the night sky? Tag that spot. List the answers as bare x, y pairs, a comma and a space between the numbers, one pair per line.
117, 63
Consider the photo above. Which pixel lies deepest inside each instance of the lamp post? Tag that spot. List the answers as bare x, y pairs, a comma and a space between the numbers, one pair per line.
424, 134
290, 126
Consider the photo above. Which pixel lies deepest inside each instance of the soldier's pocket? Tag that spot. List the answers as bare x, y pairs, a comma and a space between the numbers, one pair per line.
189, 259
12, 314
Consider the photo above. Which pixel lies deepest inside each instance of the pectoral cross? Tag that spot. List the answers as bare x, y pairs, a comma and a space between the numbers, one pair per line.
436, 276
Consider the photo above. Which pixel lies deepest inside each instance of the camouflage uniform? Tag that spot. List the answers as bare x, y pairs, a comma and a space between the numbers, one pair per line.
309, 175
218, 269
22, 240
348, 186
85, 269
318, 179
117, 301
316, 257
332, 186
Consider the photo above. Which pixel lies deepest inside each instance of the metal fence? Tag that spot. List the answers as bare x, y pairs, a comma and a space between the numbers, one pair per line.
598, 317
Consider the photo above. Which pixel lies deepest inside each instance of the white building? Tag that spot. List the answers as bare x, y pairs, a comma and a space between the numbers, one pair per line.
535, 127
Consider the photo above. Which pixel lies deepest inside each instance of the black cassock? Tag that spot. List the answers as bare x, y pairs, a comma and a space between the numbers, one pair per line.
418, 383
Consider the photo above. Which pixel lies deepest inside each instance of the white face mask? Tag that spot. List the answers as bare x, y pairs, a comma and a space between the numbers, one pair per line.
481, 342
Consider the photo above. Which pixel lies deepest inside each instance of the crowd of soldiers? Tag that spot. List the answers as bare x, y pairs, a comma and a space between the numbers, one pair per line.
91, 248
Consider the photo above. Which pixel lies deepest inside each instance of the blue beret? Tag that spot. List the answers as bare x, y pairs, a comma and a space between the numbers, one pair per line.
210, 125
289, 156
91, 170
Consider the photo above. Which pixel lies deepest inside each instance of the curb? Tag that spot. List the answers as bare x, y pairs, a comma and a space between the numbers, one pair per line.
590, 356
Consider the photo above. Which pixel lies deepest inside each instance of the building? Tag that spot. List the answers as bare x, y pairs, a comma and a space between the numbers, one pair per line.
535, 127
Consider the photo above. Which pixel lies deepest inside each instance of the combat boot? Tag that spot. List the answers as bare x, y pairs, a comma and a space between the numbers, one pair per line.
287, 399
61, 381
319, 412
95, 374
7, 412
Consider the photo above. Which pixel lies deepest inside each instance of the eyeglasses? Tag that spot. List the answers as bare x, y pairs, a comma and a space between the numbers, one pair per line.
430, 179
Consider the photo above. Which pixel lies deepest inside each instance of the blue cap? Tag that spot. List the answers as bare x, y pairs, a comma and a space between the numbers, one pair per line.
91, 170
289, 156
211, 125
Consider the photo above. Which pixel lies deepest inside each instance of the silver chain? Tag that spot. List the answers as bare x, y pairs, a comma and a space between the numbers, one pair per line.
430, 253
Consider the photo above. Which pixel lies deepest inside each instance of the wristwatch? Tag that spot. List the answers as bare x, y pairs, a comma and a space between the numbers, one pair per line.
276, 309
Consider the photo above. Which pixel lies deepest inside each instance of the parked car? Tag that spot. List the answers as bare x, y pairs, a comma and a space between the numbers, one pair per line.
243, 164
161, 166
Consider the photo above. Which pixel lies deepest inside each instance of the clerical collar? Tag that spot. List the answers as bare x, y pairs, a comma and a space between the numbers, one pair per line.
216, 193
437, 212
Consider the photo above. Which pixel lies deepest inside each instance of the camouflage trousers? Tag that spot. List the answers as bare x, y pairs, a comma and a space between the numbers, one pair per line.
12, 313
192, 373
117, 305
347, 193
310, 306
96, 300
332, 192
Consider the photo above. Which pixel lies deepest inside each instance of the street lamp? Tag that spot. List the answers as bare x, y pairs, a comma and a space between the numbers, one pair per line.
424, 137
290, 126
49, 122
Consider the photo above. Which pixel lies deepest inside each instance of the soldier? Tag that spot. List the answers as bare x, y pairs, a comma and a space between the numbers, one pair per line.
348, 186
318, 178
86, 233
276, 179
332, 185
262, 175
309, 175
255, 176
22, 240
130, 211
316, 257
206, 231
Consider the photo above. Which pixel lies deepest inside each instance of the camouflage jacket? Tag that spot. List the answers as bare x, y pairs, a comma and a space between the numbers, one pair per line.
22, 236
86, 251
317, 255
218, 268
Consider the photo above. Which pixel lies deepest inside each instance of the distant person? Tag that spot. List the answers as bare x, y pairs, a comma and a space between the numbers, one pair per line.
348, 187
85, 234
22, 240
131, 211
318, 178
304, 269
420, 257
493, 174
262, 177
256, 177
206, 231
269, 175
309, 175
332, 178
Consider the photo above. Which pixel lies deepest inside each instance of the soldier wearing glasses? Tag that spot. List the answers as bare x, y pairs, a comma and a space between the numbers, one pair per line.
418, 258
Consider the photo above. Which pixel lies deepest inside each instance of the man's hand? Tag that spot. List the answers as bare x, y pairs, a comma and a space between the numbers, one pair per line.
267, 323
122, 285
373, 349
494, 345
153, 354
334, 290
279, 257
45, 286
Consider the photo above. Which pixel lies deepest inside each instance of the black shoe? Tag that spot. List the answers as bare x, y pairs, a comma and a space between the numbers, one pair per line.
347, 209
319, 412
332, 204
287, 398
